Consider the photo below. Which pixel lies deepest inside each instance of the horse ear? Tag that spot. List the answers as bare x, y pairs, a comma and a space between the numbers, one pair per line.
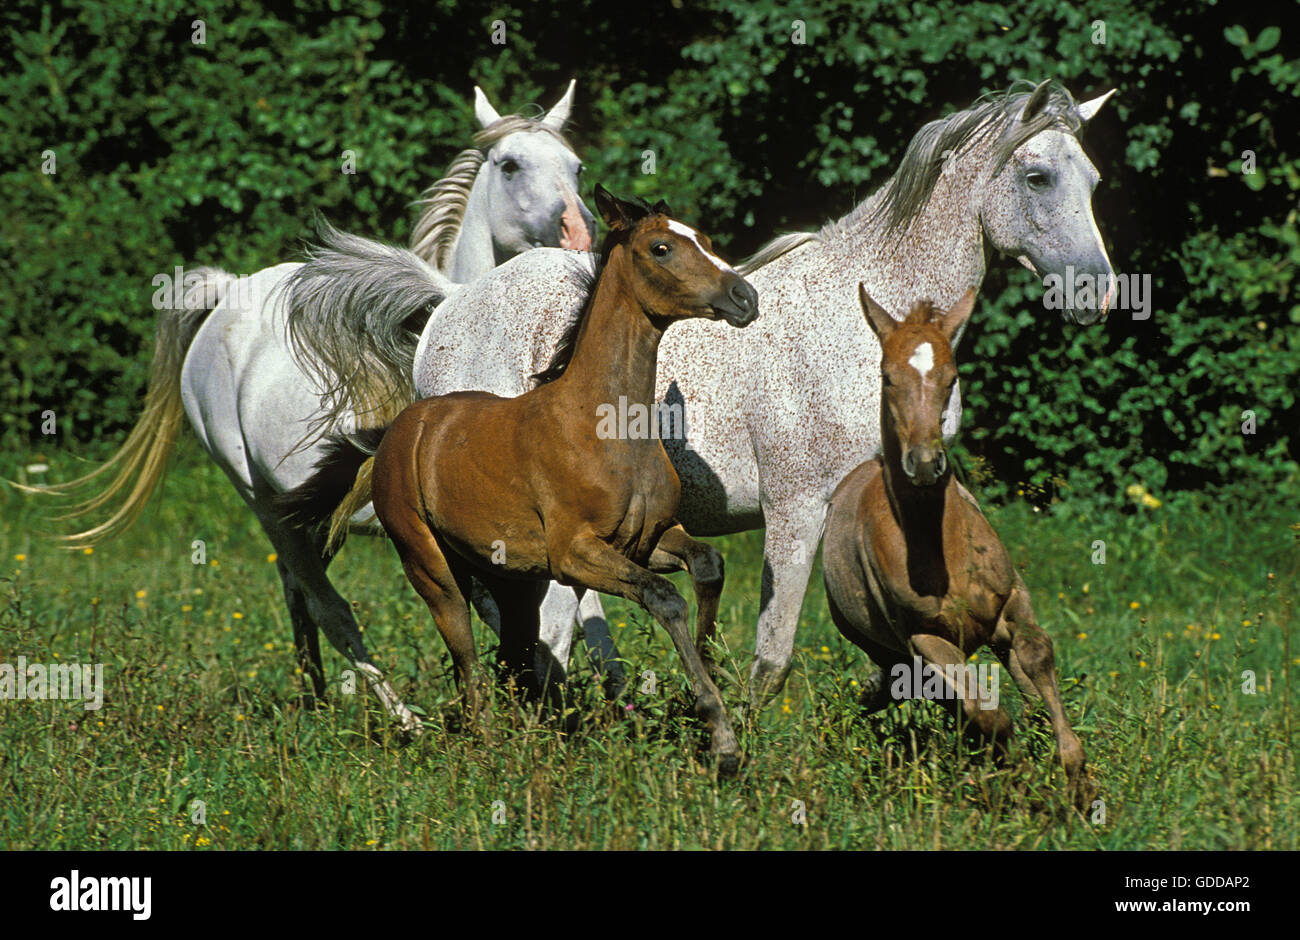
1088, 109
958, 314
483, 110
1036, 101
878, 318
556, 117
617, 213
661, 208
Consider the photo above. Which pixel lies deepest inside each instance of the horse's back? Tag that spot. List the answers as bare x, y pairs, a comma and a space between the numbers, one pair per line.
493, 335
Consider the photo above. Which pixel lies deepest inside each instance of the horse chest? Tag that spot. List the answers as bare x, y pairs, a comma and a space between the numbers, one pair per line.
951, 585
644, 520
644, 509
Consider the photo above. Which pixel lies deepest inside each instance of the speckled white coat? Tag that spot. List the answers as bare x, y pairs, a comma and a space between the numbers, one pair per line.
776, 414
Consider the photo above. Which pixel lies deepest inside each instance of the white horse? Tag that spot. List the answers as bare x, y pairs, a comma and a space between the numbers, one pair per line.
777, 414
261, 410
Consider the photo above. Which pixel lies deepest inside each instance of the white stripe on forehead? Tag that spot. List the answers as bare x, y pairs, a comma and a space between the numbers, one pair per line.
922, 359
687, 232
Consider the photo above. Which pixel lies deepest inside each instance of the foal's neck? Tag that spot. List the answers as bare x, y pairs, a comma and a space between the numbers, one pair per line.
617, 348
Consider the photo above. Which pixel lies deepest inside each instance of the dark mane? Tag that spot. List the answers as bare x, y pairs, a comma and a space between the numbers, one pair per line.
922, 312
996, 116
563, 354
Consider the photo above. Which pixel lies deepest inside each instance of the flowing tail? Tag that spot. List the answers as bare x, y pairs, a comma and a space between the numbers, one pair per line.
338, 488
141, 462
356, 311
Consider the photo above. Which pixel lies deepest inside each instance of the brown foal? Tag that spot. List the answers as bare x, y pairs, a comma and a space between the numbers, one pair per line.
912, 567
518, 491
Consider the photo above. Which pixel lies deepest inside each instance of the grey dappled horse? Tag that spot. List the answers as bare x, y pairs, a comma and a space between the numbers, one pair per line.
777, 414
261, 409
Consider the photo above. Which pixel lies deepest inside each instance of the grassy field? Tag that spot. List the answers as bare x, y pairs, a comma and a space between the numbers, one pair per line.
201, 705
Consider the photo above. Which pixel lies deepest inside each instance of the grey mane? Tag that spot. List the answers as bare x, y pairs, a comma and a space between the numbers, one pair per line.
994, 117
444, 202
568, 342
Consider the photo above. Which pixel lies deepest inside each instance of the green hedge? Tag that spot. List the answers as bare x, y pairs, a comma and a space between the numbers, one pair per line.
170, 153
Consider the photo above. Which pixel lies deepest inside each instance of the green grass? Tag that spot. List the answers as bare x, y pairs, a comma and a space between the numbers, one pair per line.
201, 704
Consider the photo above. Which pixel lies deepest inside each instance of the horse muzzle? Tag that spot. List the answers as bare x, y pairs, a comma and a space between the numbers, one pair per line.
739, 305
924, 466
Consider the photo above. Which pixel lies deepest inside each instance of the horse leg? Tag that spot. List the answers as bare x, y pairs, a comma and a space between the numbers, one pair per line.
485, 606
519, 603
1007, 656
593, 564
875, 694
677, 550
489, 611
1031, 645
789, 548
556, 616
876, 683
564, 608
991, 724
444, 590
306, 635
326, 609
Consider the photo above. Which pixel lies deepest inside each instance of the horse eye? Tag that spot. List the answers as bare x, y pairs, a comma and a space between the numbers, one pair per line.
661, 249
509, 168
1038, 180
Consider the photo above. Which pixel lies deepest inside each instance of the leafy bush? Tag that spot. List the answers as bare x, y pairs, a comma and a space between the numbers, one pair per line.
173, 153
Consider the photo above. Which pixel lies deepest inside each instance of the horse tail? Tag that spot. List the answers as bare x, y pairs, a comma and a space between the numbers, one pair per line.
338, 488
141, 462
355, 312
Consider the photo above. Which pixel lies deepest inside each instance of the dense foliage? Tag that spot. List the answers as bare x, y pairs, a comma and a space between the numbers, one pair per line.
168, 152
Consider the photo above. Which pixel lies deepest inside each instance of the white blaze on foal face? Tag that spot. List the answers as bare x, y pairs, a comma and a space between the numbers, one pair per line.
687, 232
922, 359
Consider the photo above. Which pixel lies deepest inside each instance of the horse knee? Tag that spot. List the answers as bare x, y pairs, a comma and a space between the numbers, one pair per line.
766, 679
663, 601
1035, 653
708, 567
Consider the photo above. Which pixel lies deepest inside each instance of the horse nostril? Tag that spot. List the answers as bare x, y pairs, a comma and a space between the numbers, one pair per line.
909, 465
941, 461
741, 295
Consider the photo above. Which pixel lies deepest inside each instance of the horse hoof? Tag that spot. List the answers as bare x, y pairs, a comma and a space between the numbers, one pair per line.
873, 697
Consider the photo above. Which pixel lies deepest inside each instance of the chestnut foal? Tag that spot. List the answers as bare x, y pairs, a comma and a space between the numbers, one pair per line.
519, 491
911, 565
